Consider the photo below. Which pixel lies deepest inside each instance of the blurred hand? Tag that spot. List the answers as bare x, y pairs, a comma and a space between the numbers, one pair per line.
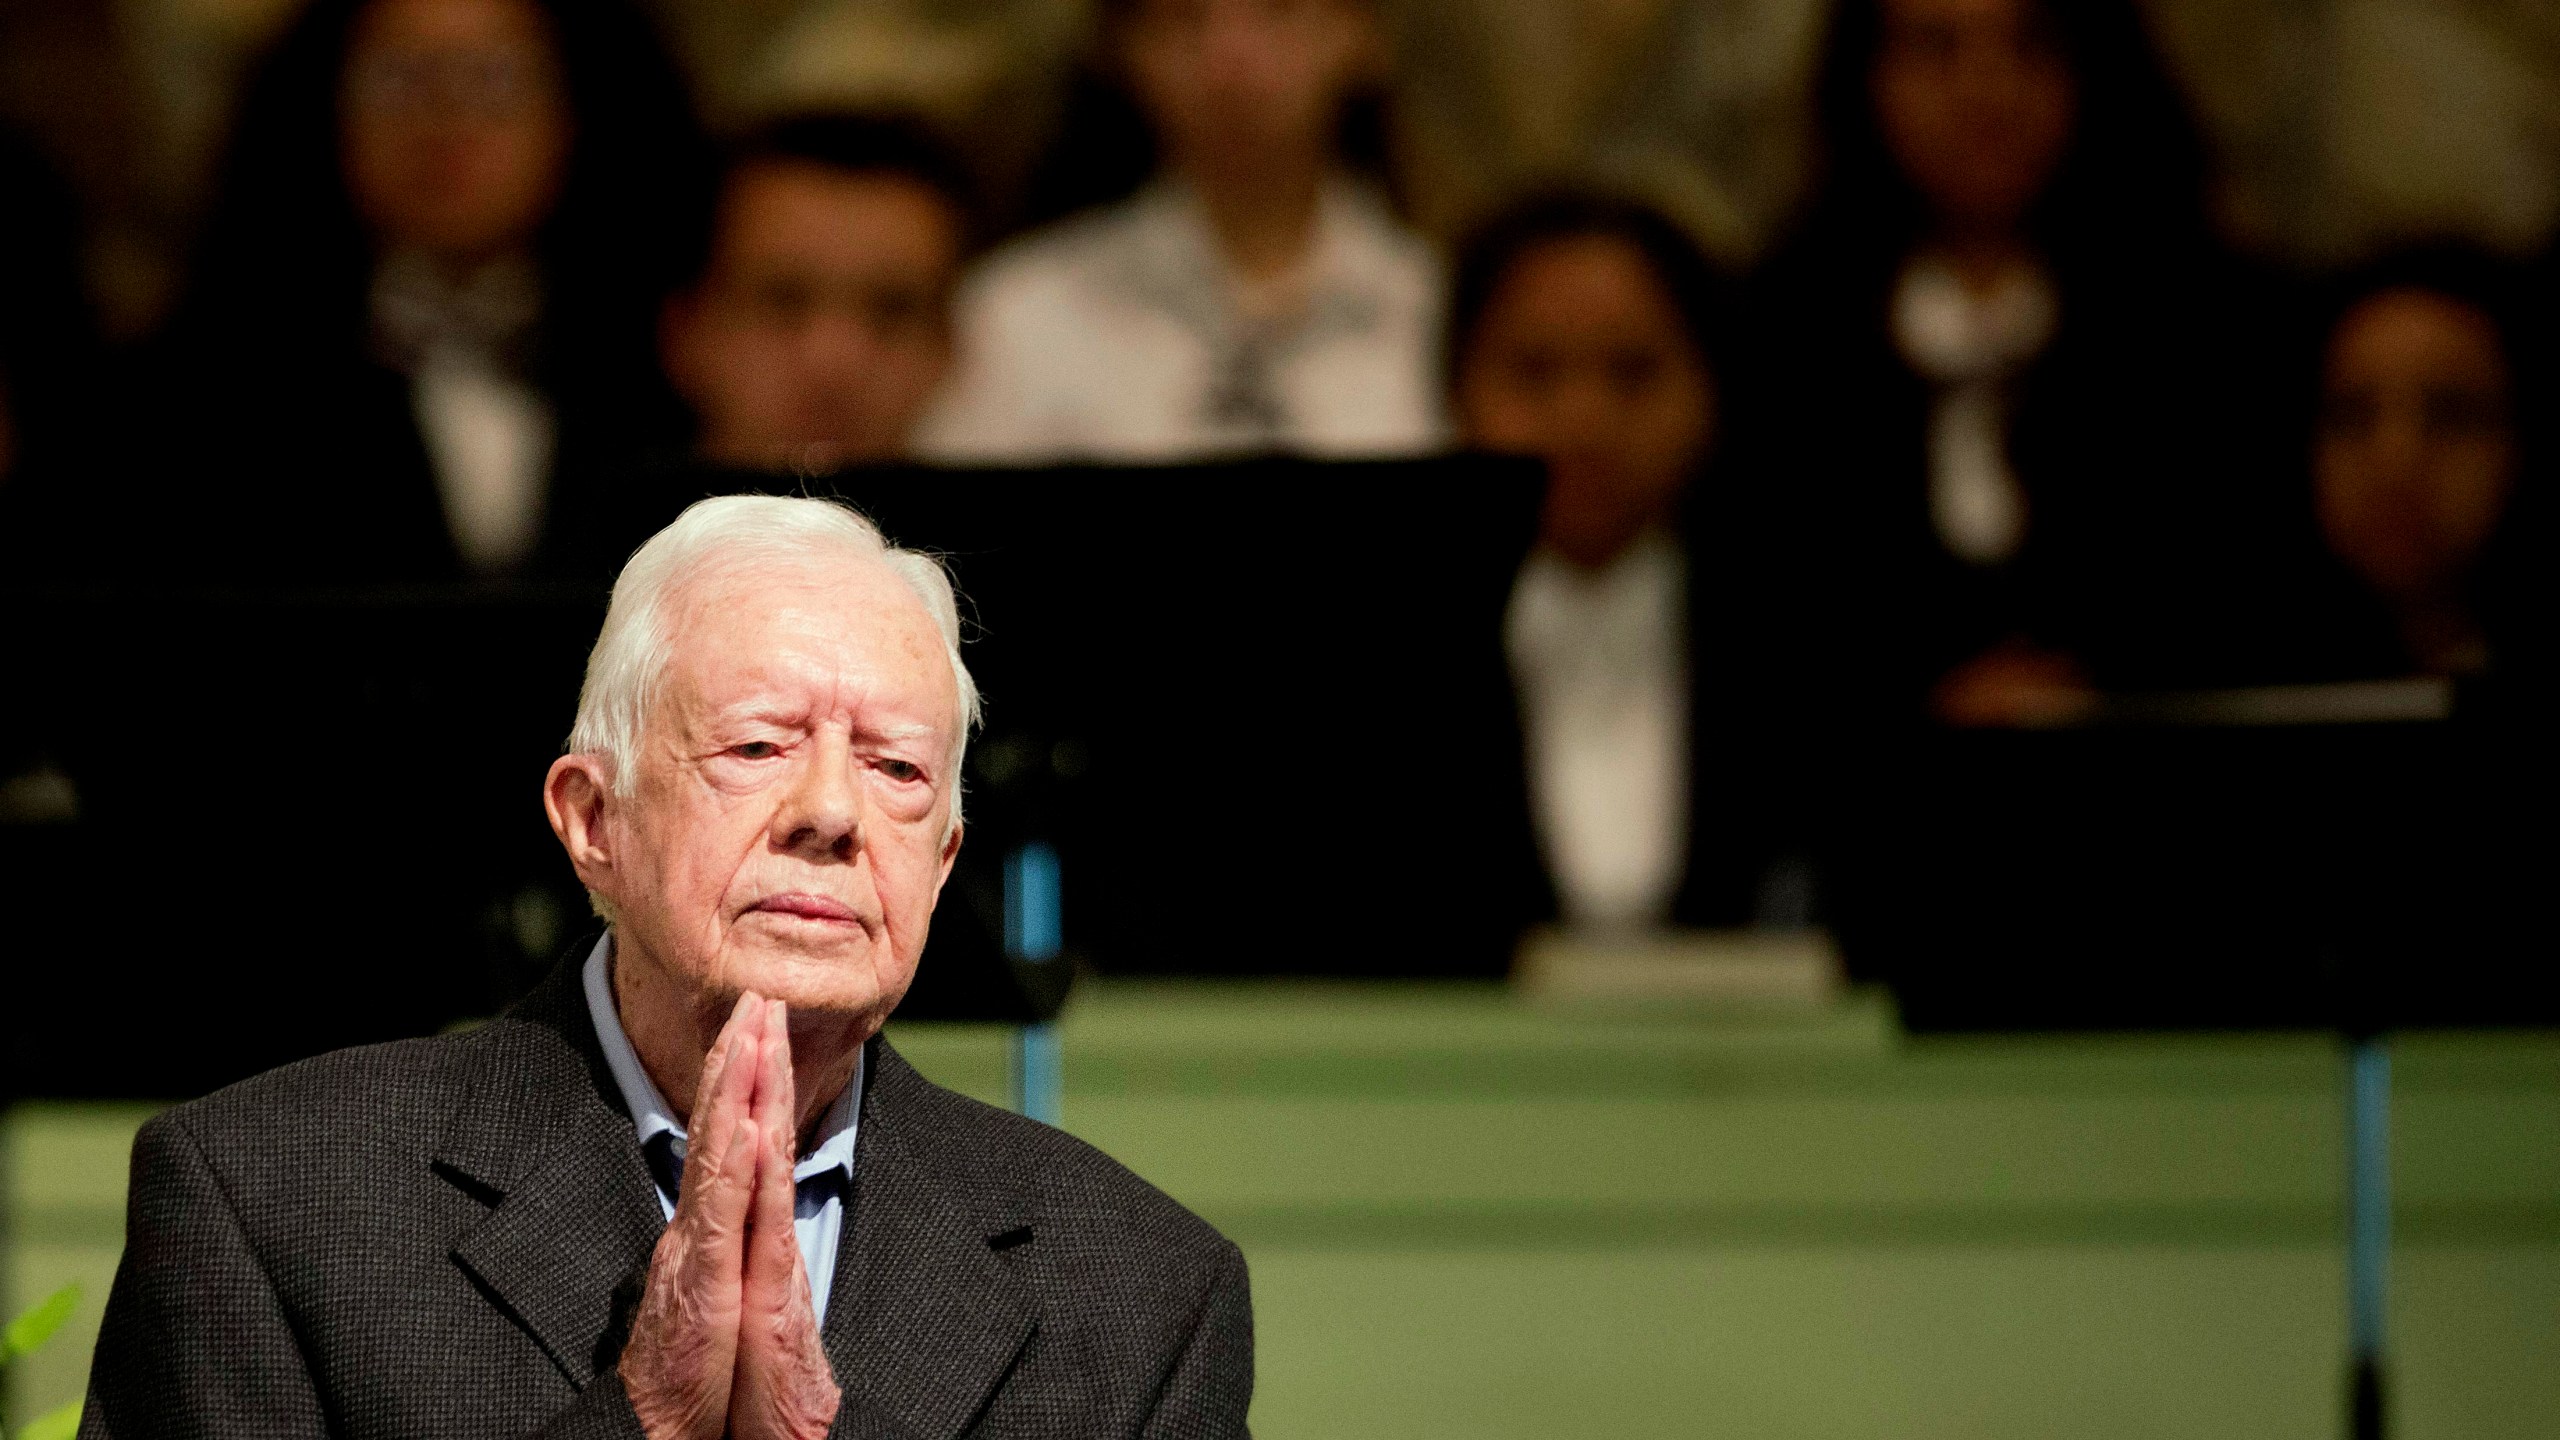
2014, 685
785, 1389
680, 1366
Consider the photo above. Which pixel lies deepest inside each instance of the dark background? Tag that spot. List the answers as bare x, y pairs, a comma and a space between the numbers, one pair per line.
312, 818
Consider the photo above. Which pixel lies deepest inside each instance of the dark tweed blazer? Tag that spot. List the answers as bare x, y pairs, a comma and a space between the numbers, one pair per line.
447, 1237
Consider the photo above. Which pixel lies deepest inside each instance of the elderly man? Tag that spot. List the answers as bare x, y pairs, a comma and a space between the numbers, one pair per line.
685, 1189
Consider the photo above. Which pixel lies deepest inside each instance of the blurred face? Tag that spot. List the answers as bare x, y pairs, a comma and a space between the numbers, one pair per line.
1975, 100
790, 829
823, 325
2417, 448
1228, 82
1581, 360
454, 128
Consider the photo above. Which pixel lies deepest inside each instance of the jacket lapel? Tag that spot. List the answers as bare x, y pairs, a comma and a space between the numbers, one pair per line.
567, 1243
923, 1321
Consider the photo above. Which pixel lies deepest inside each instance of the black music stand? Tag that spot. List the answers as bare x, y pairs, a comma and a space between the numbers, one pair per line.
1170, 635
2253, 859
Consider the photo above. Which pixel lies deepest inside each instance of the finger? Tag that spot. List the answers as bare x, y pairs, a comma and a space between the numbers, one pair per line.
773, 1276
785, 1386
778, 1029
777, 1102
720, 1164
744, 1018
716, 1225
728, 1080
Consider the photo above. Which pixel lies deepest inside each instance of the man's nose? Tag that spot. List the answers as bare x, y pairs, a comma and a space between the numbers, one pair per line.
821, 814
840, 340
1587, 415
2398, 443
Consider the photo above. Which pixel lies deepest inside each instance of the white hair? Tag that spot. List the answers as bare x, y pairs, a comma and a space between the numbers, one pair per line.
726, 535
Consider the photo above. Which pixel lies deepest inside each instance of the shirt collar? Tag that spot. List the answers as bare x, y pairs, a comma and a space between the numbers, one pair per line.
650, 1114
1173, 258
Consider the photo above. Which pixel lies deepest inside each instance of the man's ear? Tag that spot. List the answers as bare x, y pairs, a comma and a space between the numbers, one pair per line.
950, 853
574, 796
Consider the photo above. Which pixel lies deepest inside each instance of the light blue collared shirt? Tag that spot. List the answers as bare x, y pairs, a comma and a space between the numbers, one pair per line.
817, 1210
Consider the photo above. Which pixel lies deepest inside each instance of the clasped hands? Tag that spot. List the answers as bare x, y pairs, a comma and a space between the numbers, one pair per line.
725, 1342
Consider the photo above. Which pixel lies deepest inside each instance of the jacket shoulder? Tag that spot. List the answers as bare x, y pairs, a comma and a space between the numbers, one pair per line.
339, 1109
362, 1077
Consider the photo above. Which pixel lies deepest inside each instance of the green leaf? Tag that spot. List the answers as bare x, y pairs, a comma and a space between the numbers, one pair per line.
59, 1424
37, 1326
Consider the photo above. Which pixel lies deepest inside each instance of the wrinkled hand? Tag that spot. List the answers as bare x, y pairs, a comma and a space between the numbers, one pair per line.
784, 1389
725, 1341
683, 1355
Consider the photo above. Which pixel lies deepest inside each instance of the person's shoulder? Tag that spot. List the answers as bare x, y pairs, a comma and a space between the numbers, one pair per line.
361, 1079
1376, 241
337, 1109
1056, 262
998, 1164
1368, 212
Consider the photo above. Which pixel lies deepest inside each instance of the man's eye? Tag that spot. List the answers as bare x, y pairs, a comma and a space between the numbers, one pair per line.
902, 770
784, 300
756, 750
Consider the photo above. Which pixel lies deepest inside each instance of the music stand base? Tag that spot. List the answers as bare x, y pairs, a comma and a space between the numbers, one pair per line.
2364, 1401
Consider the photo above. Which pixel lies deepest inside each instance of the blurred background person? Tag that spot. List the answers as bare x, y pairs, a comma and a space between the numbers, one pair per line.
2017, 447
1587, 330
2423, 461
818, 326
1252, 296
417, 334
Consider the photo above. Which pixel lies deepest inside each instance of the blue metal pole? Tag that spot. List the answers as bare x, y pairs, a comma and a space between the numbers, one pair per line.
2368, 1228
1037, 1080
1034, 933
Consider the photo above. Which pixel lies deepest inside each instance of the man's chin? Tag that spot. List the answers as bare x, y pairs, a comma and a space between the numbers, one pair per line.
851, 979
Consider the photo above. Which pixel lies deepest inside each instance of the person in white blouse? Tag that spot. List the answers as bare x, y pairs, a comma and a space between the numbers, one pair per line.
1251, 297
1583, 333
2018, 397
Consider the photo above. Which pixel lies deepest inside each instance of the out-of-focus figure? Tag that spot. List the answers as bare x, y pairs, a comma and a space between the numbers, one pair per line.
420, 318
2420, 461
819, 325
1252, 296
1588, 331
2014, 396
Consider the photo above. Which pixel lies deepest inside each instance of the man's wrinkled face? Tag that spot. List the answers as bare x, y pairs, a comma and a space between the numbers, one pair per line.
791, 824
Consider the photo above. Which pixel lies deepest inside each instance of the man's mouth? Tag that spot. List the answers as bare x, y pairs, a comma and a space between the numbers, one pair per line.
808, 907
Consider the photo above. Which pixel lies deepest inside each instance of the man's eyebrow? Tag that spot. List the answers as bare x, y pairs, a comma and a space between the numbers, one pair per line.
758, 713
910, 731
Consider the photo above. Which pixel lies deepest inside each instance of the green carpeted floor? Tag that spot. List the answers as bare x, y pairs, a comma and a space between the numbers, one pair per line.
1469, 1218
